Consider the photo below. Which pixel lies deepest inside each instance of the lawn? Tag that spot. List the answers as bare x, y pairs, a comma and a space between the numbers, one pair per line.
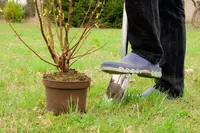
22, 95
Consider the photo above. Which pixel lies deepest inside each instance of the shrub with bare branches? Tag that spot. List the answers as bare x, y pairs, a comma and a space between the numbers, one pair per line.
69, 48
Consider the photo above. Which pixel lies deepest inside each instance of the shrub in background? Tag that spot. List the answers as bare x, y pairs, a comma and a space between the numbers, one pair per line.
29, 9
2, 4
112, 14
111, 17
13, 12
80, 7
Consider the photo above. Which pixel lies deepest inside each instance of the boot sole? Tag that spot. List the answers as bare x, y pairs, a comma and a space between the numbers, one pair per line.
141, 73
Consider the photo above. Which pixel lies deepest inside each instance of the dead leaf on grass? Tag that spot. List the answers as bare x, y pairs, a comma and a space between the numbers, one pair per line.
38, 74
92, 128
128, 129
189, 70
46, 122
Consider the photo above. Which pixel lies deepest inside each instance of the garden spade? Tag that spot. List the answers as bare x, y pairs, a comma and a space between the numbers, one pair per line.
119, 82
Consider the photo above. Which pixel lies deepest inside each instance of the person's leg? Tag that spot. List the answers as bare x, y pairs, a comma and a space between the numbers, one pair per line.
144, 36
144, 28
173, 40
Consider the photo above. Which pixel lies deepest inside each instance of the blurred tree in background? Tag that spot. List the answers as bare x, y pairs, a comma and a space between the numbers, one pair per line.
13, 12
111, 14
29, 9
2, 4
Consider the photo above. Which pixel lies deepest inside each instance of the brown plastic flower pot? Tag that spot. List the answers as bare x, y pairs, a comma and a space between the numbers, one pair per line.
62, 97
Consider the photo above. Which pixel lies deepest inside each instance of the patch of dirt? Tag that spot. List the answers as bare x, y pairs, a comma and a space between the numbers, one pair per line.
71, 76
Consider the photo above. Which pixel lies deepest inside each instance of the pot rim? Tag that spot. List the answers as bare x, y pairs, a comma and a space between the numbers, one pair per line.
66, 85
66, 81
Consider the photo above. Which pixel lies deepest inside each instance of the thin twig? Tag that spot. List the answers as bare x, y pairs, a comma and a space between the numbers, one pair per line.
61, 18
81, 44
74, 47
78, 43
86, 53
30, 47
63, 62
55, 18
86, 13
49, 25
68, 24
82, 36
89, 51
40, 20
51, 51
85, 37
82, 23
66, 53
61, 36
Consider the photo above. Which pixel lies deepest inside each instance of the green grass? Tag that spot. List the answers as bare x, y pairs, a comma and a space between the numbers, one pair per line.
22, 95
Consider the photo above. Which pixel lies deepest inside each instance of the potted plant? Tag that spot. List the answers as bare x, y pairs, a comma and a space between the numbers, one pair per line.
65, 89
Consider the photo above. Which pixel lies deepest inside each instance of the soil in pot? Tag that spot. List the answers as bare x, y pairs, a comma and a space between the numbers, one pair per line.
71, 75
66, 91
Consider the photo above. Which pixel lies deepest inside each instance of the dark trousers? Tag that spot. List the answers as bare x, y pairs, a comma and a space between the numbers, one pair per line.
156, 31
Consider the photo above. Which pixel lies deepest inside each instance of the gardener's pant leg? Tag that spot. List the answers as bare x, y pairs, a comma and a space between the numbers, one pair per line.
144, 28
173, 40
